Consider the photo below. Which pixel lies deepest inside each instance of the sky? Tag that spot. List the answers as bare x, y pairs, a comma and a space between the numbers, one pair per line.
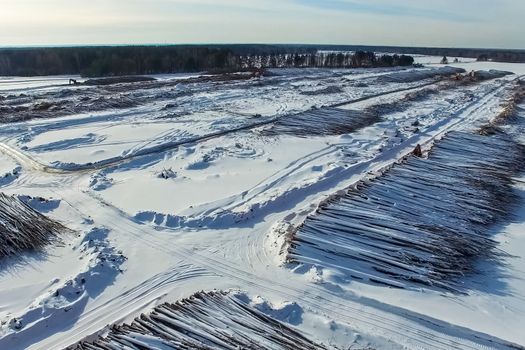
440, 23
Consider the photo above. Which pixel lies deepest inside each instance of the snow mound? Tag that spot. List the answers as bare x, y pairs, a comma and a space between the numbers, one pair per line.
100, 181
11, 176
40, 204
234, 150
56, 308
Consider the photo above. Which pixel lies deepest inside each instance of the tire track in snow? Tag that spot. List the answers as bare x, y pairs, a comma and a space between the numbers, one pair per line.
139, 296
314, 297
132, 300
458, 117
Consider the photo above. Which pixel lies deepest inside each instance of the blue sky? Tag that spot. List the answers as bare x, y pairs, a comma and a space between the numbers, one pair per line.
456, 23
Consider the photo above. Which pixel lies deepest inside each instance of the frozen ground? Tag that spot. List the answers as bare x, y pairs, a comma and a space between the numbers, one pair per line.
190, 184
471, 64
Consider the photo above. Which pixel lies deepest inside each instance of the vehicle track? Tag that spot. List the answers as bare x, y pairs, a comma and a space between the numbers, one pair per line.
318, 298
306, 295
449, 122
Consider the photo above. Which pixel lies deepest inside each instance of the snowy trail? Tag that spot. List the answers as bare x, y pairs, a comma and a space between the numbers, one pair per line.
28, 162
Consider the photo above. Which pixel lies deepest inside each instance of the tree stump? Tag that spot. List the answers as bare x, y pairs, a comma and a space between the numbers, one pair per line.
417, 151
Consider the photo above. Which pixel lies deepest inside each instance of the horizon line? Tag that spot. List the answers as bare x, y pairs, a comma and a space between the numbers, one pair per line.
36, 46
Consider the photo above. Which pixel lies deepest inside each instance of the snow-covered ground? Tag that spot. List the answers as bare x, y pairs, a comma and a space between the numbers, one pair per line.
470, 64
195, 185
12, 85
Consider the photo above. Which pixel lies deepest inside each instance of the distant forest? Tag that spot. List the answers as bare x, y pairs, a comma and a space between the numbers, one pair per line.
139, 60
497, 55
93, 61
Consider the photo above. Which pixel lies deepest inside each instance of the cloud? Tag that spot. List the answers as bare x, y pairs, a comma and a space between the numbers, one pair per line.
387, 8
460, 23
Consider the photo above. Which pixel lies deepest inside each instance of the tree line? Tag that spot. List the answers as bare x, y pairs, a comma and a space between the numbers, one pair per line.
359, 59
140, 60
511, 57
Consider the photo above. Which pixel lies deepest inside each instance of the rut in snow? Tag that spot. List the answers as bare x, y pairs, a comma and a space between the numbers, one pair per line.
207, 320
22, 228
423, 221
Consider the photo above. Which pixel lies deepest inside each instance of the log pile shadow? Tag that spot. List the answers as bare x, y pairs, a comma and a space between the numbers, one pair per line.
423, 222
206, 320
